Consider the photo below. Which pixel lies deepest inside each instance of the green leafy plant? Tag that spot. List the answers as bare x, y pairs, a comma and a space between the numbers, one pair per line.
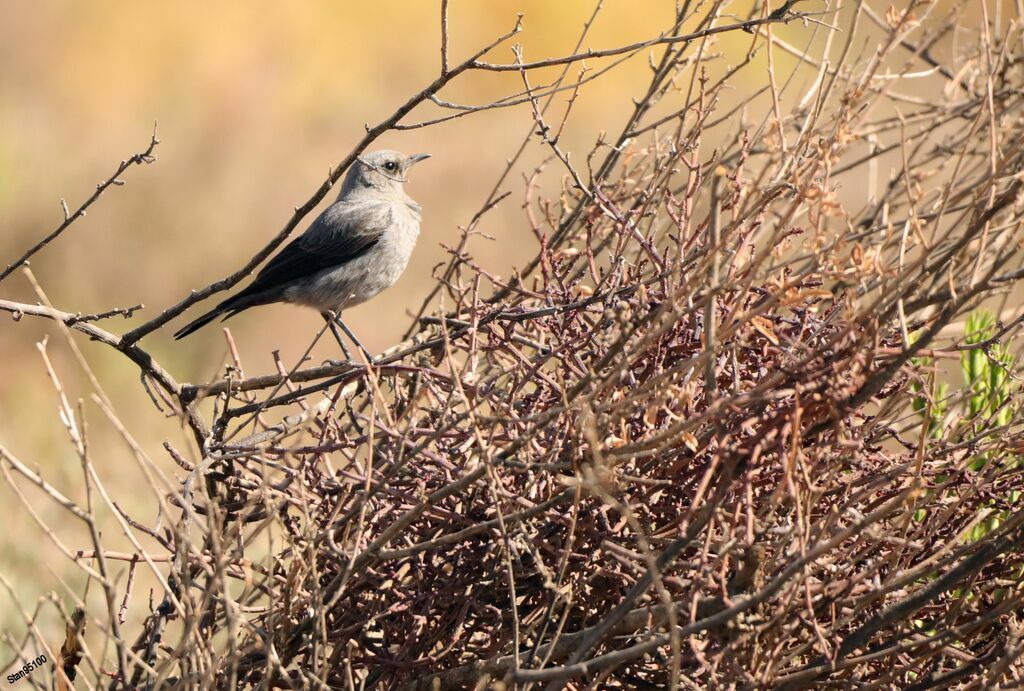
986, 369
987, 387
986, 374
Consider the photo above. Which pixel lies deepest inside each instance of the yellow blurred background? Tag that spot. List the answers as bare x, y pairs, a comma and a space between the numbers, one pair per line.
253, 103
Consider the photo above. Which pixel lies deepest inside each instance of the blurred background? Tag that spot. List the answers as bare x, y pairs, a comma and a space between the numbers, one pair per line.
253, 103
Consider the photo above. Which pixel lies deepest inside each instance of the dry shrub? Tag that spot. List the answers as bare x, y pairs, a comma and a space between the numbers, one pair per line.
708, 437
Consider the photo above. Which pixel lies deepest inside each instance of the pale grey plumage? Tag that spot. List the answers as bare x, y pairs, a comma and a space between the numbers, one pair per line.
356, 248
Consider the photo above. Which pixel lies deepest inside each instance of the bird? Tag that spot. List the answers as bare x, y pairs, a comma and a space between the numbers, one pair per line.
358, 247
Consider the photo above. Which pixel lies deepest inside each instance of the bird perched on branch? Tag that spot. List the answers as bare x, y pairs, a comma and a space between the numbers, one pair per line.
356, 248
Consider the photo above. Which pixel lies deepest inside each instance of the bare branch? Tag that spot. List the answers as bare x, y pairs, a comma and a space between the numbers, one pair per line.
69, 218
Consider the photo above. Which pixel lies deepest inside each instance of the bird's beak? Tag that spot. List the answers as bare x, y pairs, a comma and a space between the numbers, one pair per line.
416, 158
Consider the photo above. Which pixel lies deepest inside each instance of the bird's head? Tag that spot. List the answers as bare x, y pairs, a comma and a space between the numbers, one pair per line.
381, 170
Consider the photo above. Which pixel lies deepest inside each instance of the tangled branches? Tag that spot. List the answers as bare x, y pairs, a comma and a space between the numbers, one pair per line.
700, 440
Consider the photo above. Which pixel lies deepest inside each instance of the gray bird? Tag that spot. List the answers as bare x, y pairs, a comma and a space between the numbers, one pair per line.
356, 248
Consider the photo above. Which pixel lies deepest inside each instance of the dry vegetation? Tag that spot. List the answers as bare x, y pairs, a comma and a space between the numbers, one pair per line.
707, 438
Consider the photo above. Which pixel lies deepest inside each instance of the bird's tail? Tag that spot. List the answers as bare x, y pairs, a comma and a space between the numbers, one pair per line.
199, 323
228, 308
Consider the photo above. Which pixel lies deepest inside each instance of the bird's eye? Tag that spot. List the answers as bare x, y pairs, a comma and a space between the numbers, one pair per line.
390, 165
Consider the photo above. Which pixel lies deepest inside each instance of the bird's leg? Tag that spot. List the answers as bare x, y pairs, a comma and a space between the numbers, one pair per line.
348, 332
330, 319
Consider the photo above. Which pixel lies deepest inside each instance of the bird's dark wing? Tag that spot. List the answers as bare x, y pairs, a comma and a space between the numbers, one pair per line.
344, 231
340, 234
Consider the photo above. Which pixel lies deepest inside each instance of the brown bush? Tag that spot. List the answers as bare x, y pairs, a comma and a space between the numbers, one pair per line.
701, 440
